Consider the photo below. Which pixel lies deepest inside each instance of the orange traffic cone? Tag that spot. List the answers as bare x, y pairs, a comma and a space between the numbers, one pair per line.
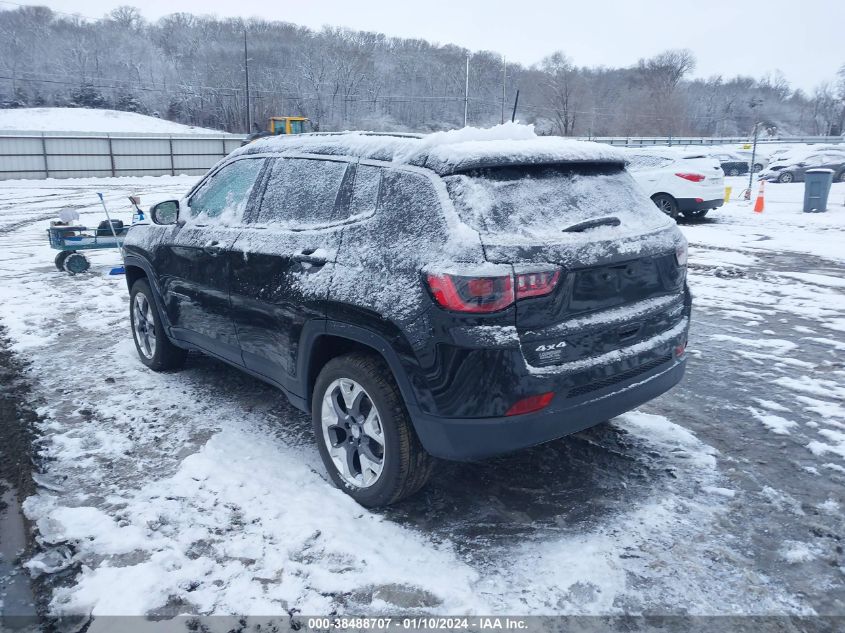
759, 203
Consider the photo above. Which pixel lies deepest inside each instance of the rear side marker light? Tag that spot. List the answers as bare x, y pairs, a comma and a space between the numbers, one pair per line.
690, 177
680, 349
480, 295
531, 404
681, 254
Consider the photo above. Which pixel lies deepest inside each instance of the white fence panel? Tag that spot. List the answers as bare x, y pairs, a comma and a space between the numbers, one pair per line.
59, 163
79, 155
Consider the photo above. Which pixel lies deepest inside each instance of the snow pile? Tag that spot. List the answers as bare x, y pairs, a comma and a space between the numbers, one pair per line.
90, 120
264, 533
507, 144
362, 144
447, 152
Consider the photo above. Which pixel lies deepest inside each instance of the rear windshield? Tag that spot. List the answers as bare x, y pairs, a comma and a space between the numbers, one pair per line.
534, 200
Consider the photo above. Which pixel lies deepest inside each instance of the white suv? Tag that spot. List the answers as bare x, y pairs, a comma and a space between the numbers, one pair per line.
679, 183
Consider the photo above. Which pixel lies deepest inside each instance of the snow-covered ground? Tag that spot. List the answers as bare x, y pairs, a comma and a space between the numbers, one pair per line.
202, 492
90, 120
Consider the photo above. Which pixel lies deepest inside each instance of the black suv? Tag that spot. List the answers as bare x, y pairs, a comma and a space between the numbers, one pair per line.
419, 298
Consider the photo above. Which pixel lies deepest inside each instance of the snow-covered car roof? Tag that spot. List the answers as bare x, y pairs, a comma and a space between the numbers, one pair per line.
446, 152
668, 152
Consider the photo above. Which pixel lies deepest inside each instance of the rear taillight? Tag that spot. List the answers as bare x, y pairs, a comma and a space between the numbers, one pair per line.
691, 177
472, 294
536, 284
463, 293
531, 404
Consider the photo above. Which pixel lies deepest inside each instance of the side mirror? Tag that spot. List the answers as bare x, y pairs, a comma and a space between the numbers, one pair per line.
166, 212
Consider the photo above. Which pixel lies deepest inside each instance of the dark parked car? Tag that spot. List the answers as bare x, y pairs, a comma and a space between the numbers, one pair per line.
732, 164
419, 300
793, 170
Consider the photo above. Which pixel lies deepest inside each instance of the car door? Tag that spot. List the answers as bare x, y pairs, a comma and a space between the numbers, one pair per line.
282, 263
835, 162
194, 264
810, 162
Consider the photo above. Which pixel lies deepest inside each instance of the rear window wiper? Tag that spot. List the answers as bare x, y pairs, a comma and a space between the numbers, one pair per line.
610, 220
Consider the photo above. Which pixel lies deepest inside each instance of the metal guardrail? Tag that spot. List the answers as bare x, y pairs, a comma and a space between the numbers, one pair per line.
645, 141
38, 155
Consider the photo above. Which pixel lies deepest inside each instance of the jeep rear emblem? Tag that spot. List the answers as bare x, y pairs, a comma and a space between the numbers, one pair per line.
550, 347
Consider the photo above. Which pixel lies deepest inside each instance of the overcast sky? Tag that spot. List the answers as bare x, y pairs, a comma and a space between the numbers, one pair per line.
805, 41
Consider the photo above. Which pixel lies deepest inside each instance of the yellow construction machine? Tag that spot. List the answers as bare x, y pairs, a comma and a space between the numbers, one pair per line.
278, 125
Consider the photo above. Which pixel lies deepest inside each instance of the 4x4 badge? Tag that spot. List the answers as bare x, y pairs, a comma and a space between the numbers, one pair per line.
550, 347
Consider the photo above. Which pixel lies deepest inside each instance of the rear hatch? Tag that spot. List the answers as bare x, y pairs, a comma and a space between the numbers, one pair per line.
620, 280
713, 185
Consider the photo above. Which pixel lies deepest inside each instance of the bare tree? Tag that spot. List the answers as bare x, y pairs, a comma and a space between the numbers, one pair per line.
190, 68
561, 84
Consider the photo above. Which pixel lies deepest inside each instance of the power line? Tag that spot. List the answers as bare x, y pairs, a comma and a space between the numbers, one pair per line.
34, 6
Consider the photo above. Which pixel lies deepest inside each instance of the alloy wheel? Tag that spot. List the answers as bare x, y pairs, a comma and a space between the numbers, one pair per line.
353, 433
143, 325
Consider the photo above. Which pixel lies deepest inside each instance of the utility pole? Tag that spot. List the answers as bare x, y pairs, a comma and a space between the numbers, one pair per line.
246, 73
753, 160
515, 102
504, 80
753, 104
466, 93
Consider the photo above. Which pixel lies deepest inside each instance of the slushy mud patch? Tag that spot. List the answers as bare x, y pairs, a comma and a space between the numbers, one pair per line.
18, 600
17, 424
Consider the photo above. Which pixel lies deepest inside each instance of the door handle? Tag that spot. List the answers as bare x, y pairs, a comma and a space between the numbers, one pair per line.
306, 256
213, 248
302, 258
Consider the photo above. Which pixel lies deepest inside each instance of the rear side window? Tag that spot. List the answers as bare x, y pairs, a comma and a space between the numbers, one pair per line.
365, 190
225, 194
639, 162
301, 193
540, 199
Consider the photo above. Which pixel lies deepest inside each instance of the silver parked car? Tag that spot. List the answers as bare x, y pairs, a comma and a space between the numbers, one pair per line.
793, 169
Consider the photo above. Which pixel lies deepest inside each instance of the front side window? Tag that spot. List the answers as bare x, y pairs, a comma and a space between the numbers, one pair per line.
301, 193
225, 194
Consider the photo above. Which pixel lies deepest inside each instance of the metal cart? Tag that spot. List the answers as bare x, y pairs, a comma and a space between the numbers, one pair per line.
69, 240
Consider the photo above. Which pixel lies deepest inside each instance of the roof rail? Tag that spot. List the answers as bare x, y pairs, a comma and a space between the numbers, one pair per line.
365, 133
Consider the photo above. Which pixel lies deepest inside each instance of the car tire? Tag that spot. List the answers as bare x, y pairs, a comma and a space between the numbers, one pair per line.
733, 172
388, 443
841, 176
757, 168
151, 342
61, 256
786, 177
667, 204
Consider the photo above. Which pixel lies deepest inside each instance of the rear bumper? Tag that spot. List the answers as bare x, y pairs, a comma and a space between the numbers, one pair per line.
692, 204
467, 439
